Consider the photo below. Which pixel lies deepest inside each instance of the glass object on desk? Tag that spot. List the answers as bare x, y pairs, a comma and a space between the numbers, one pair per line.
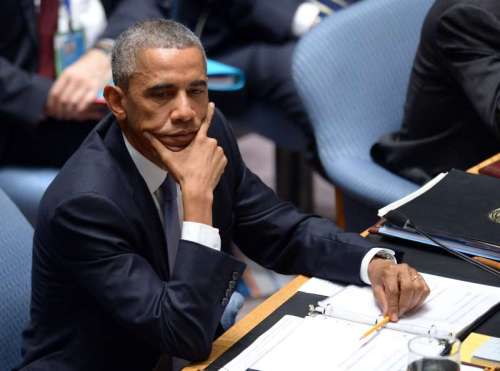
431, 354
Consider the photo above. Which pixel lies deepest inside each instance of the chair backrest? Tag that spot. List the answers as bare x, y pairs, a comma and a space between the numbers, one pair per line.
16, 236
352, 71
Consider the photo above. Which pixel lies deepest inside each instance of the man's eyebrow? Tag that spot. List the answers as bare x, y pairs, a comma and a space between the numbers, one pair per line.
198, 83
161, 86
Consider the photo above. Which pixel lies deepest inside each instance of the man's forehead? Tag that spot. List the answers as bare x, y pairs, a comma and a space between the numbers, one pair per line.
156, 65
174, 57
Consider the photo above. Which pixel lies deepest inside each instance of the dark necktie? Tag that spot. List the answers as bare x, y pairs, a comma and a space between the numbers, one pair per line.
171, 226
47, 28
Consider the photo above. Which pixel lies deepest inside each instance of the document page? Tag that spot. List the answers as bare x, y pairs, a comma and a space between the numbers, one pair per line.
264, 343
452, 306
326, 343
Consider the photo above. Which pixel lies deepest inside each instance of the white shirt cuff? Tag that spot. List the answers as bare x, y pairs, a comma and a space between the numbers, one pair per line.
305, 18
386, 253
203, 234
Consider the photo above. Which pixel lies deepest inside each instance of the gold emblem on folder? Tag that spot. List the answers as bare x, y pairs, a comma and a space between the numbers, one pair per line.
494, 215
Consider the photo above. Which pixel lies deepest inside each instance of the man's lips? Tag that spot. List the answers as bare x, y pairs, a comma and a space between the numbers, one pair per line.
177, 140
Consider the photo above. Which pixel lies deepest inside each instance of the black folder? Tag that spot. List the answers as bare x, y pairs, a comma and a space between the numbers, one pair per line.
461, 207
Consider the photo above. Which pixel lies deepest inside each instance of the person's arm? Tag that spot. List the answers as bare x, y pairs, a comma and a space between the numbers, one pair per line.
468, 38
125, 13
92, 239
17, 87
271, 20
274, 19
279, 237
73, 95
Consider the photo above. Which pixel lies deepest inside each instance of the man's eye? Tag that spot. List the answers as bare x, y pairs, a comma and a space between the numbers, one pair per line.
196, 91
161, 94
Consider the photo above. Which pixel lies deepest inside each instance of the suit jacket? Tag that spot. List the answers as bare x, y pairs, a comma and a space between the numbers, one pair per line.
236, 23
102, 297
22, 92
452, 107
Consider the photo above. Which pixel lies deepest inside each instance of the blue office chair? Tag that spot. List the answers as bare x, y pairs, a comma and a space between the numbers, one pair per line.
26, 186
16, 236
352, 72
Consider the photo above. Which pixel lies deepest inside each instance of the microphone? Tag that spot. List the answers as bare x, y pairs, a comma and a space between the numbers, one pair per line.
397, 218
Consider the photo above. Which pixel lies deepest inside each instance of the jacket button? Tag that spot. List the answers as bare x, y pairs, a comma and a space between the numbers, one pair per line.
236, 275
224, 301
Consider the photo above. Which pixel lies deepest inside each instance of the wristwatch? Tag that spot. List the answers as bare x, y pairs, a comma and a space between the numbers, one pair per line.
384, 254
105, 45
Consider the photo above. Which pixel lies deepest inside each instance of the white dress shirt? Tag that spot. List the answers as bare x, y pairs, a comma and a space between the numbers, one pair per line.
154, 176
205, 234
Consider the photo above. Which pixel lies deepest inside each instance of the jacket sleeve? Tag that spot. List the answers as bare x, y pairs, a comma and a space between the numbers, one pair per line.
246, 19
468, 39
127, 12
271, 18
93, 241
278, 236
18, 87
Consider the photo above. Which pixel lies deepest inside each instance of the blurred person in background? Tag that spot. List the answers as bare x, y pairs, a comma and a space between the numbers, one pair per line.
54, 60
452, 110
259, 37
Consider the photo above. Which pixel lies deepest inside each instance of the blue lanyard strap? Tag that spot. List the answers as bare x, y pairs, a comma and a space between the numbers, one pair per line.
67, 5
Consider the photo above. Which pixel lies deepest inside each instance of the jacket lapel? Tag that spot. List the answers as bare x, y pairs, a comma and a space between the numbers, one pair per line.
148, 217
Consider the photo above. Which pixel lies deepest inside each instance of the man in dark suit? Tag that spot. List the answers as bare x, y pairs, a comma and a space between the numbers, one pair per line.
44, 119
132, 251
452, 110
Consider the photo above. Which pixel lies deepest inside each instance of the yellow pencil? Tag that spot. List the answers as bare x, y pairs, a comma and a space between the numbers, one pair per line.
488, 262
377, 327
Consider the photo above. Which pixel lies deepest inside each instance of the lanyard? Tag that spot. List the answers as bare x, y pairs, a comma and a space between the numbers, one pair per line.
67, 5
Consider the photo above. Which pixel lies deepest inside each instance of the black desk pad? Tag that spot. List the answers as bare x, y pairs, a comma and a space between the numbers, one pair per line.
425, 259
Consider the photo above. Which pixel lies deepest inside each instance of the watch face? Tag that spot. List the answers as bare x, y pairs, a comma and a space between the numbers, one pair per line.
106, 45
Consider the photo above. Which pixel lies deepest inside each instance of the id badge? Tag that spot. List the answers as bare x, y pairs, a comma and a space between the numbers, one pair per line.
68, 48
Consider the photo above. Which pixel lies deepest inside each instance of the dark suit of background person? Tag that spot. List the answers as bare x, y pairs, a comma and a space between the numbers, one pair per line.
452, 113
256, 36
26, 138
102, 295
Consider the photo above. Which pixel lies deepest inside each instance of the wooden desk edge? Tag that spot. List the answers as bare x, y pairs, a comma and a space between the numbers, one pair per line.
252, 319
247, 323
475, 169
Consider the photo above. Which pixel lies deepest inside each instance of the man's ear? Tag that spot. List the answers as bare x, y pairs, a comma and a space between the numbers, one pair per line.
115, 96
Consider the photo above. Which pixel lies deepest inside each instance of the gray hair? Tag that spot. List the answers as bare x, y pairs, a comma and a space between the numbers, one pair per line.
161, 33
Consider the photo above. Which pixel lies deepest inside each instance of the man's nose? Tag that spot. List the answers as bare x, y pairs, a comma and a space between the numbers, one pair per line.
183, 110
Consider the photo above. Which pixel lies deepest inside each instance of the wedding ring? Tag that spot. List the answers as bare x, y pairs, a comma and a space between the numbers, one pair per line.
414, 277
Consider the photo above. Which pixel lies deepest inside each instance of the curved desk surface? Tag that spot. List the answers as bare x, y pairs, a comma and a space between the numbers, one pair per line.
426, 261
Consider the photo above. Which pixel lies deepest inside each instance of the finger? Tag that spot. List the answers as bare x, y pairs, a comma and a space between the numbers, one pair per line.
53, 99
72, 107
423, 292
57, 95
418, 288
406, 294
69, 97
379, 293
83, 99
391, 289
207, 121
219, 170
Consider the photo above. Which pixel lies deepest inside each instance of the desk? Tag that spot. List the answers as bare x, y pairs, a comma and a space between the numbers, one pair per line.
427, 261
